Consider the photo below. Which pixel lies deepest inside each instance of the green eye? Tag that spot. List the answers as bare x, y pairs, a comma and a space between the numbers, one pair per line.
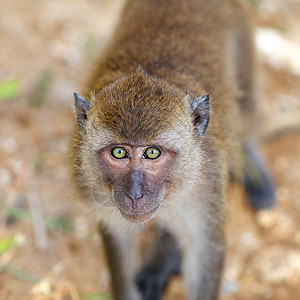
152, 153
119, 152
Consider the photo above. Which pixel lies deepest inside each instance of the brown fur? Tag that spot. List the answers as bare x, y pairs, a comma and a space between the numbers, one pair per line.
135, 107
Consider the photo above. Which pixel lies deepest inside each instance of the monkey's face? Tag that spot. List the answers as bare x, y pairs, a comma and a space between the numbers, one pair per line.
138, 175
138, 136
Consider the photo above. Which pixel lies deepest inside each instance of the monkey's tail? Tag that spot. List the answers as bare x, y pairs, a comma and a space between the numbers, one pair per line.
257, 180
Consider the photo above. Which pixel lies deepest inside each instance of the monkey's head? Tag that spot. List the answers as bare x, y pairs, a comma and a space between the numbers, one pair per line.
137, 137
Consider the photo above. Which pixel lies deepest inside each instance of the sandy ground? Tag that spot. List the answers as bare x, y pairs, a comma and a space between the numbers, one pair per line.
48, 245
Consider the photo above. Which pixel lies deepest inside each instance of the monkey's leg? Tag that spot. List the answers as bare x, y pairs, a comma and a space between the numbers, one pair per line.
119, 248
203, 263
164, 261
258, 182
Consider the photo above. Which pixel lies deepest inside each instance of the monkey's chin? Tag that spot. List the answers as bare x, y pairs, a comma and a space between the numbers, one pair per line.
140, 218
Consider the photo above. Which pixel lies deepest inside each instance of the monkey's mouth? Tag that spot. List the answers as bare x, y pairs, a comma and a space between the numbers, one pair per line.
140, 218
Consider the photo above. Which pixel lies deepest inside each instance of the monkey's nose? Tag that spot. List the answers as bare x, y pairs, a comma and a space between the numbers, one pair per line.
135, 197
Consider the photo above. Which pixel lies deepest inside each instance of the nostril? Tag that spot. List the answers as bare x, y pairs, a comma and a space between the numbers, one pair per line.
135, 197
135, 201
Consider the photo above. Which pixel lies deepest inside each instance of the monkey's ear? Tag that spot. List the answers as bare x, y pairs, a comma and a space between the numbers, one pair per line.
81, 107
201, 110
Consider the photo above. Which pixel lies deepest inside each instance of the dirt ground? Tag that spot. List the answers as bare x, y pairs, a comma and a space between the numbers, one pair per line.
48, 245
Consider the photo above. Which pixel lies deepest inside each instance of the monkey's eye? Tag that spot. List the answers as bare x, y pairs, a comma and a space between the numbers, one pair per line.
152, 153
119, 152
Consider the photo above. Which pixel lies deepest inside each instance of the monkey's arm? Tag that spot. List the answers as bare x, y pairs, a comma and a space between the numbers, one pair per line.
203, 260
163, 261
201, 230
119, 248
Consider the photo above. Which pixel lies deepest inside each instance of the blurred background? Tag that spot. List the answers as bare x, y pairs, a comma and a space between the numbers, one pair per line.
49, 248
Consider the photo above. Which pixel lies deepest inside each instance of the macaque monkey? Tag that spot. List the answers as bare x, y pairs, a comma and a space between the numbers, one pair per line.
169, 116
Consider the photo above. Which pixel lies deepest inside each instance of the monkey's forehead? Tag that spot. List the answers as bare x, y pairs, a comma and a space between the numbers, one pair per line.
139, 107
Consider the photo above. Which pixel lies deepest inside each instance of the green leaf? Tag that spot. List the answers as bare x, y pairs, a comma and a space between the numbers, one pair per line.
22, 274
38, 161
41, 88
9, 89
95, 296
60, 225
6, 244
19, 213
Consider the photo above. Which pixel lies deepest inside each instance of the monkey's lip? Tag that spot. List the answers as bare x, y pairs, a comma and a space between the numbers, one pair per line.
140, 218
